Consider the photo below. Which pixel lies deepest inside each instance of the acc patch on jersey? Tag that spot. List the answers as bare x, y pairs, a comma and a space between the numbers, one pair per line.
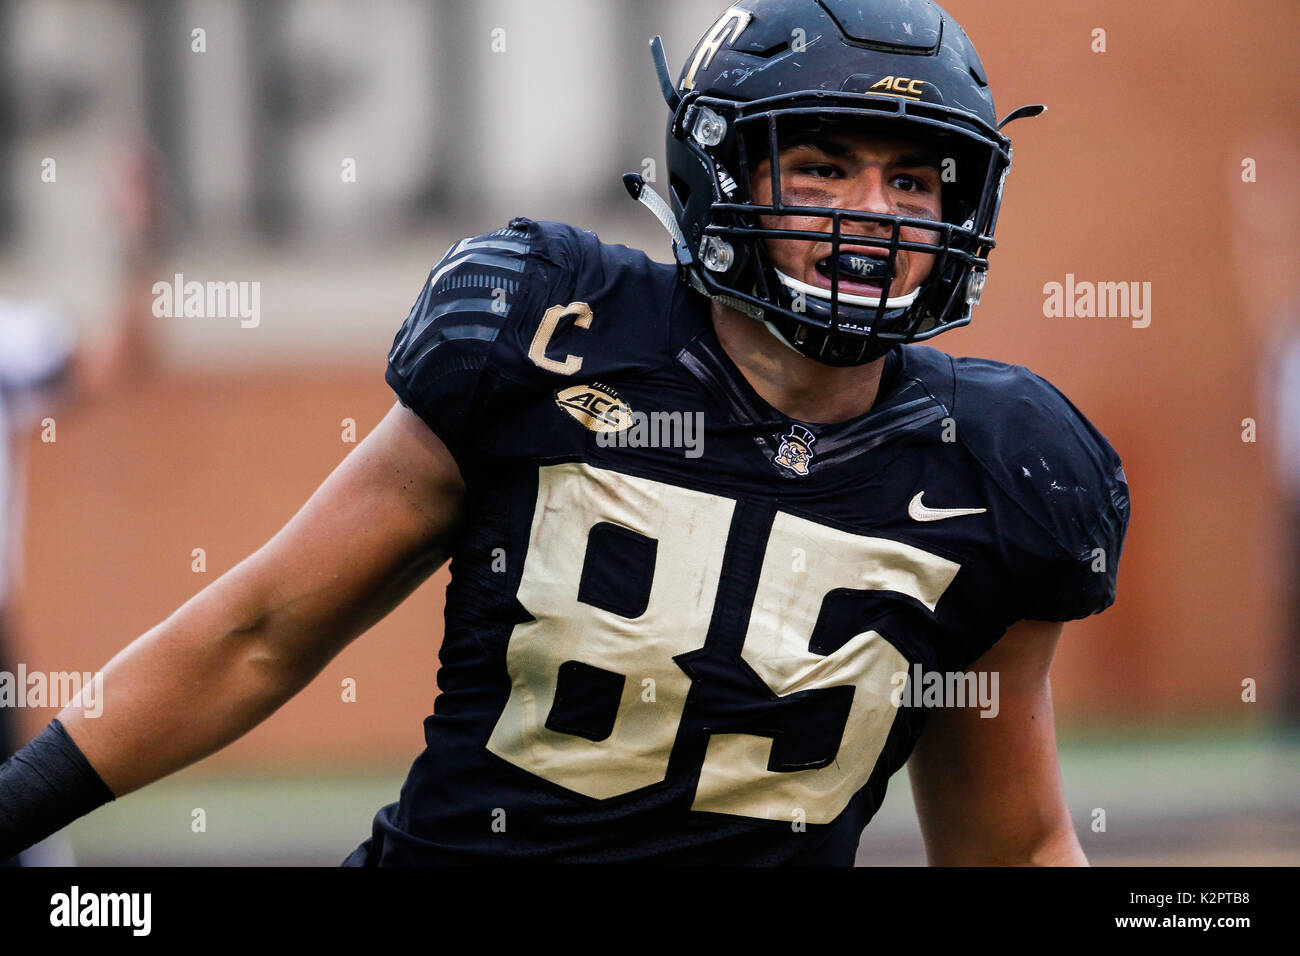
596, 407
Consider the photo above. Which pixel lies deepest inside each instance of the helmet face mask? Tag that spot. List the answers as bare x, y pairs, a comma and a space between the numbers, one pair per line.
718, 139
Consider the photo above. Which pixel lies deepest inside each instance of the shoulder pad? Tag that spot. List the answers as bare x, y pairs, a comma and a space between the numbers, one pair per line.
438, 357
608, 311
1038, 447
529, 306
1060, 472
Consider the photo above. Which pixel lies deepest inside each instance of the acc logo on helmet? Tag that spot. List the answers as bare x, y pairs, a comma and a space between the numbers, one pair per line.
899, 84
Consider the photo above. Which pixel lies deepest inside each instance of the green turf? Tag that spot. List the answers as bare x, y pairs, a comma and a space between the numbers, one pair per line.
1142, 782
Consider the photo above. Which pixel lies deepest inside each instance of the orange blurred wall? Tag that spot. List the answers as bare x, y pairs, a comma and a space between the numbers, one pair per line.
1133, 175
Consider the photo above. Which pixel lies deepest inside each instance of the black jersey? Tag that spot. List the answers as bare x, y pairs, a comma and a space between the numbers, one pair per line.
677, 618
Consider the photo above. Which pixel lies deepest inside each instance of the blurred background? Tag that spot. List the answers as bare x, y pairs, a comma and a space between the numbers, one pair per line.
330, 151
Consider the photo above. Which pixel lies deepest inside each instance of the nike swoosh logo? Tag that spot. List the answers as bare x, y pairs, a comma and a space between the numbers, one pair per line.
919, 512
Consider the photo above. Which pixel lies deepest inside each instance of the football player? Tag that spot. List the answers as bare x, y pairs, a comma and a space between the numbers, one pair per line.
658, 656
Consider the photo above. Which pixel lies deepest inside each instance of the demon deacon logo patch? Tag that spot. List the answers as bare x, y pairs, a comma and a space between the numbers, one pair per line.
596, 407
796, 452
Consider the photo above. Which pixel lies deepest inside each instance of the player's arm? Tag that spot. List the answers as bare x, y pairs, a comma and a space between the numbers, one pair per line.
988, 789
231, 655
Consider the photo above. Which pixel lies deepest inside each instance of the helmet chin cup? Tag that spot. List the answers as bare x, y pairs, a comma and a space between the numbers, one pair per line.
840, 349
805, 321
798, 288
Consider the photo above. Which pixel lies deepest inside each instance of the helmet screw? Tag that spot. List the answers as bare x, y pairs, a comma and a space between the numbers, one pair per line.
716, 254
710, 128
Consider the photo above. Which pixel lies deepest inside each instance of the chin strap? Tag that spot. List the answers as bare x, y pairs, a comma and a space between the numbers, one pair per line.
898, 302
636, 187
776, 334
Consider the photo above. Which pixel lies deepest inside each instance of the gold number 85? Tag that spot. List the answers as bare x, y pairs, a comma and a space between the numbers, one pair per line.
690, 528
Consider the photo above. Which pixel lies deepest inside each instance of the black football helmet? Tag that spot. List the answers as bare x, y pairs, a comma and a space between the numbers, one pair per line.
768, 69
